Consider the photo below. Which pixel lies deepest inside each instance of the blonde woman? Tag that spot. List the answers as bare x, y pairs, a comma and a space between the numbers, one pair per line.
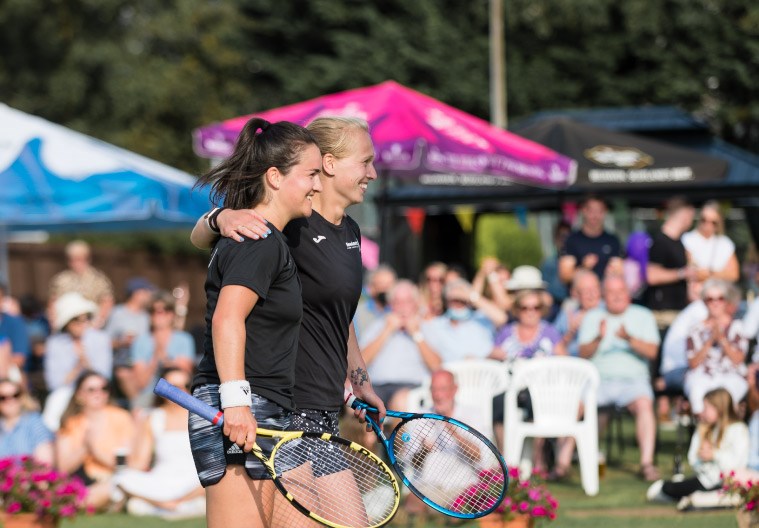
22, 431
720, 444
709, 249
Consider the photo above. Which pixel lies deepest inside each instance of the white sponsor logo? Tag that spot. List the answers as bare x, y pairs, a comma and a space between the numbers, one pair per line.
319, 238
212, 257
234, 450
621, 157
352, 245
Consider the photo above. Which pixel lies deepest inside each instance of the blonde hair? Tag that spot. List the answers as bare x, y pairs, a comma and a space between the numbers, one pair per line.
723, 402
27, 402
334, 134
715, 206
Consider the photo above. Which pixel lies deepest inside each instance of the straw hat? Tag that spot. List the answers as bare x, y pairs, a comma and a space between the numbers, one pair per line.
70, 306
526, 278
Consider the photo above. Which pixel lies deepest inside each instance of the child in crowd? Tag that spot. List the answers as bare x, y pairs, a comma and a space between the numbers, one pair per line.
719, 445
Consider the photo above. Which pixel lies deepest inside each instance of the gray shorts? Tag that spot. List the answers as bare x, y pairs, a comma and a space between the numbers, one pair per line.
212, 451
622, 392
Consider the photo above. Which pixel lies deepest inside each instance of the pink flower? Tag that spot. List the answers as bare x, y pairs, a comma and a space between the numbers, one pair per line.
6, 486
507, 501
552, 516
750, 505
68, 510
539, 511
534, 494
13, 507
514, 472
524, 506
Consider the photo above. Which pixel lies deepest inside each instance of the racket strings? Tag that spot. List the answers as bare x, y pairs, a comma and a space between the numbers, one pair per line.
339, 484
449, 465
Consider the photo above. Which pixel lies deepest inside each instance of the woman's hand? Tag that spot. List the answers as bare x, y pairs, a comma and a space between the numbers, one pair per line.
240, 426
705, 451
243, 223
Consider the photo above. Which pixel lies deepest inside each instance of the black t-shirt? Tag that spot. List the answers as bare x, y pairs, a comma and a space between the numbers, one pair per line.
669, 254
266, 267
606, 246
329, 264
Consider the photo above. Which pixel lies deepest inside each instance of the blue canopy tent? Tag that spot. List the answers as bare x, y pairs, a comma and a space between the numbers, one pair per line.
55, 179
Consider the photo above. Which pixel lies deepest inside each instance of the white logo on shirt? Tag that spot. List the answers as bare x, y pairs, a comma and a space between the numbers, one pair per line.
352, 245
319, 238
212, 257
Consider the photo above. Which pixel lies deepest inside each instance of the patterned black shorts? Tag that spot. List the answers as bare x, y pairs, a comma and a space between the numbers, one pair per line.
212, 451
315, 421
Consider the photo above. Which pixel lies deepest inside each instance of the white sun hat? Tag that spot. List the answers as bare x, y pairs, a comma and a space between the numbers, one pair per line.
70, 306
526, 278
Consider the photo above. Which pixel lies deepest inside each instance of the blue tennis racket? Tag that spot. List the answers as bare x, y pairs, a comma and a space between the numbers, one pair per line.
450, 466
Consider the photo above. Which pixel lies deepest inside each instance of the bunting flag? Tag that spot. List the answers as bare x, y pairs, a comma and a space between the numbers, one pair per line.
465, 216
415, 218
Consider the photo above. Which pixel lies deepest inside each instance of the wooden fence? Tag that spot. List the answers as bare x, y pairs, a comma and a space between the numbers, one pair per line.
31, 267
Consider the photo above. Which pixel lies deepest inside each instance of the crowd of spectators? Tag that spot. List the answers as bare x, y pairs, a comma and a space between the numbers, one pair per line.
660, 317
76, 384
663, 322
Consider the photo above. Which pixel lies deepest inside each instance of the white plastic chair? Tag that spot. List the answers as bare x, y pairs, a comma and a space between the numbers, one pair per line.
557, 385
479, 380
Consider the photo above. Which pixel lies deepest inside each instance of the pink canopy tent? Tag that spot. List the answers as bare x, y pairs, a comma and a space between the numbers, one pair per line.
416, 135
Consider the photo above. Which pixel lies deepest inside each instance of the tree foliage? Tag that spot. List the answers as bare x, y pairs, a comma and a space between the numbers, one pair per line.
142, 74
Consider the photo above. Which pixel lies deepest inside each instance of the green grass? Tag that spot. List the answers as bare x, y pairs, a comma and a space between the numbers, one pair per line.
620, 504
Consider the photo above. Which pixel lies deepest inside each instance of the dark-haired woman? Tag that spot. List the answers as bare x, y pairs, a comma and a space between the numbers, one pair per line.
326, 249
163, 347
160, 478
93, 432
253, 316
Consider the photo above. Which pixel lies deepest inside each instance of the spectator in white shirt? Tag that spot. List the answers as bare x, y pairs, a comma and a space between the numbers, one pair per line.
709, 249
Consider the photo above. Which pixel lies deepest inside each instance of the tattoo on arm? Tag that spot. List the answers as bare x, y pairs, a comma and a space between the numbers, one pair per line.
359, 376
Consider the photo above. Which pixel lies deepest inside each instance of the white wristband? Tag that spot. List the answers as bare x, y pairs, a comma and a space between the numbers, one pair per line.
235, 394
418, 337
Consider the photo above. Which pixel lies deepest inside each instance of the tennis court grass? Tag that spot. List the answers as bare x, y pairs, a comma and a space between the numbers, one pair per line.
620, 504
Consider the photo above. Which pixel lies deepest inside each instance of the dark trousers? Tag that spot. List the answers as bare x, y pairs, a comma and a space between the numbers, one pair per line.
678, 490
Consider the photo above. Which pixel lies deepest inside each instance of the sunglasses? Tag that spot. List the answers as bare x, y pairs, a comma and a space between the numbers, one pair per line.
715, 223
460, 301
435, 279
82, 319
160, 311
6, 397
101, 388
713, 299
531, 308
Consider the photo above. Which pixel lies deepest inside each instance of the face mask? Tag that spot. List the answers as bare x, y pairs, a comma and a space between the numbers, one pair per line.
381, 298
458, 314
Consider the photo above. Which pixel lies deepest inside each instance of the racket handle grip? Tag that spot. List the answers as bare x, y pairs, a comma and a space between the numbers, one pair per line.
166, 390
354, 403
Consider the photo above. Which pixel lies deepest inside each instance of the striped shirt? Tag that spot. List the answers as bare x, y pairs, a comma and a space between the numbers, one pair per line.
28, 433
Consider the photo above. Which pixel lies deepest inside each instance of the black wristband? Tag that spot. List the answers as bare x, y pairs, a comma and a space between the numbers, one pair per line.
212, 219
